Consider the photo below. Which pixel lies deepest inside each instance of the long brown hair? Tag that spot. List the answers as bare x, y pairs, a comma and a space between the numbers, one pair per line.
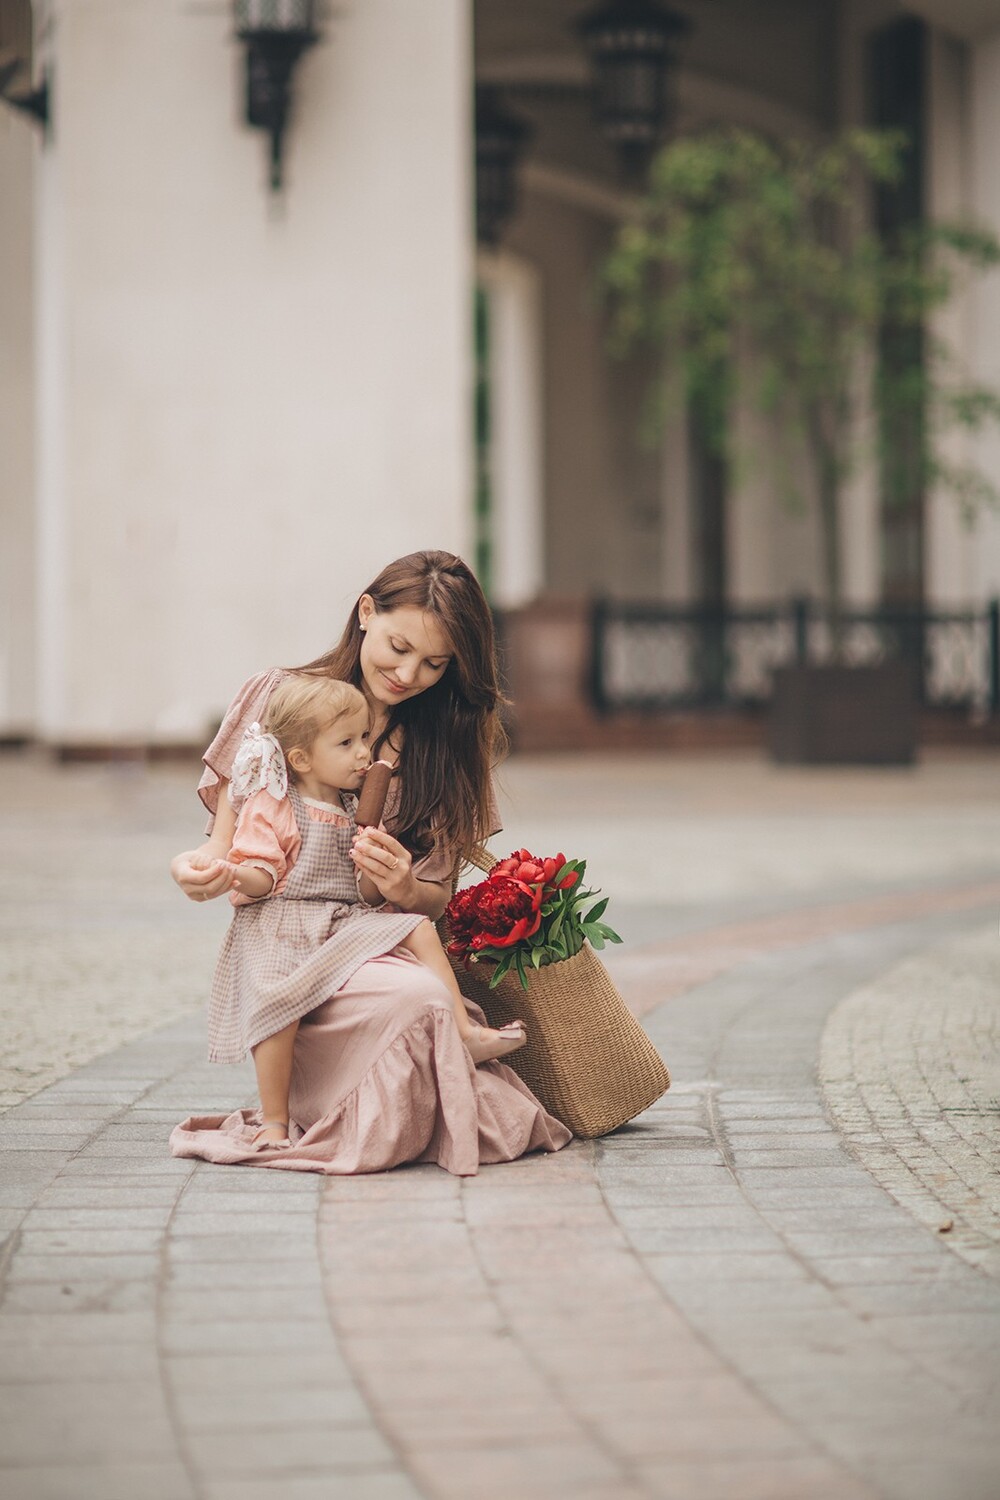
452, 735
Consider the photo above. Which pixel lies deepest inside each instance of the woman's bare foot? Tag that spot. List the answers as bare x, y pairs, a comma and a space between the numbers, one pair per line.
273, 1133
483, 1044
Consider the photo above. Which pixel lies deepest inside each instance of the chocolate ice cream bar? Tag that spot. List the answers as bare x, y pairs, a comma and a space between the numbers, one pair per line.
373, 794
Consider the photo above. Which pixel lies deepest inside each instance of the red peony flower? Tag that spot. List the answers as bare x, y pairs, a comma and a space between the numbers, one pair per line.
501, 919
463, 918
508, 910
528, 867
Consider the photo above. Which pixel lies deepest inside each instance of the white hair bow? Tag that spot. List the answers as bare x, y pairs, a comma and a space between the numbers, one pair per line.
259, 765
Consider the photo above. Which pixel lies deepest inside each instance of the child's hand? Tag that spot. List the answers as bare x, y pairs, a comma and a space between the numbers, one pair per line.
229, 875
201, 874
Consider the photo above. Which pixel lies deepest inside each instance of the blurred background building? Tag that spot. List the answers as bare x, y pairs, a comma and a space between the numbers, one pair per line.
223, 407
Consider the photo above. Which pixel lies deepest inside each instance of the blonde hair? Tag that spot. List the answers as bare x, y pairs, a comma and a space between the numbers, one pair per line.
301, 707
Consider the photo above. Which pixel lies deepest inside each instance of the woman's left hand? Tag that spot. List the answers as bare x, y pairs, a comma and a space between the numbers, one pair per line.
387, 864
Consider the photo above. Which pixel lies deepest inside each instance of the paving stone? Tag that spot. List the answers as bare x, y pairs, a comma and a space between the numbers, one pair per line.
106, 1421
24, 1330
235, 1272
195, 1305
784, 1479
240, 1336
307, 1369
327, 1486
299, 1220
705, 1266
502, 1471
72, 1240
65, 1294
58, 1266
207, 1407
105, 1481
290, 1447
41, 1364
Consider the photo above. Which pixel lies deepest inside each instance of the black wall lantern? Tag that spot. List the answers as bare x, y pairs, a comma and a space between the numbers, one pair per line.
631, 54
34, 103
500, 139
276, 33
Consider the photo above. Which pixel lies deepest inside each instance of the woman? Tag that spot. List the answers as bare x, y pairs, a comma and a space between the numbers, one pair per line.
380, 1075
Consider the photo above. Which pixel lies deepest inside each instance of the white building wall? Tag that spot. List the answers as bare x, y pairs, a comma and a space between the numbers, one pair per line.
18, 145
249, 405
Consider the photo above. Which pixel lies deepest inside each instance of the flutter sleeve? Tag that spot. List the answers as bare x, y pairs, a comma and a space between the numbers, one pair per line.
249, 704
266, 837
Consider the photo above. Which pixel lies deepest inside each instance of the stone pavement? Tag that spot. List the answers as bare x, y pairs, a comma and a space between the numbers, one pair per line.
751, 1293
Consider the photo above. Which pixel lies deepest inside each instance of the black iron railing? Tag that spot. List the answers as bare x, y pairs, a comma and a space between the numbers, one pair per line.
660, 656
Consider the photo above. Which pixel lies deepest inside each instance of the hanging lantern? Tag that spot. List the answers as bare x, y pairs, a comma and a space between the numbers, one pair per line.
17, 27
500, 138
276, 33
630, 43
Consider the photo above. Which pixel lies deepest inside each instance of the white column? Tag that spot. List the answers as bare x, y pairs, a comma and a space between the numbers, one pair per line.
513, 287
948, 541
249, 406
984, 115
18, 148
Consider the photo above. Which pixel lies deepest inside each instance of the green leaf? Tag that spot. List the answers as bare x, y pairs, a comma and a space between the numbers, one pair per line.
499, 972
596, 912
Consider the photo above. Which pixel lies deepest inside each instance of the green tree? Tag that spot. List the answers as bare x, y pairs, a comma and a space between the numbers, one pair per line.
753, 268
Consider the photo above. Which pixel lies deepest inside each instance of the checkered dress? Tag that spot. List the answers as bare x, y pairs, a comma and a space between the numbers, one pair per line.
285, 955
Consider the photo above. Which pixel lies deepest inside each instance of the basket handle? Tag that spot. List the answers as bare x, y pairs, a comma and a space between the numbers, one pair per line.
480, 859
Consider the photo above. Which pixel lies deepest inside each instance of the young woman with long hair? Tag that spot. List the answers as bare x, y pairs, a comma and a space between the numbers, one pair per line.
379, 1073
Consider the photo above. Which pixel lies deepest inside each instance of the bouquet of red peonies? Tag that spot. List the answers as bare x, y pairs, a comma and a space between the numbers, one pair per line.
527, 913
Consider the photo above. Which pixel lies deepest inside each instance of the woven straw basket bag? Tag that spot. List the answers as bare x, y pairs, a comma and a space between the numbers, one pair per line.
586, 1058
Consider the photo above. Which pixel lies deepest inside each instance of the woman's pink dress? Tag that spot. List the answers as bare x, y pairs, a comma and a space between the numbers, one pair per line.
380, 1075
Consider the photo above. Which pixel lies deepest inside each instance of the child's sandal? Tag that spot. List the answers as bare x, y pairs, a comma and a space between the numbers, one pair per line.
482, 1047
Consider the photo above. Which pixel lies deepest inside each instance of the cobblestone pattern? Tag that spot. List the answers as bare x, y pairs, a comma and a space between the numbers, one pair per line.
163, 1330
718, 1302
852, 1319
910, 1067
96, 945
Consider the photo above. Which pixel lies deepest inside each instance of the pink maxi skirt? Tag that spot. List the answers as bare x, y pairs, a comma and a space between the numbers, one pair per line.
380, 1077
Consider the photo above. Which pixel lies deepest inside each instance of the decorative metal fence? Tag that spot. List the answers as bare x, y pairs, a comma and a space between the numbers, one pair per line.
658, 656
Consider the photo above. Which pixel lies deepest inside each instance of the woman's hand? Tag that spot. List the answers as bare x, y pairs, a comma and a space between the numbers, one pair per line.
202, 874
387, 864
374, 852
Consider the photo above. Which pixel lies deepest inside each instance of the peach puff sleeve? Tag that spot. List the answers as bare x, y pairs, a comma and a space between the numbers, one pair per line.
250, 704
266, 837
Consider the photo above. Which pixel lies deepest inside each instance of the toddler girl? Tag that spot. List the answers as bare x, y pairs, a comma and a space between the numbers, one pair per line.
305, 919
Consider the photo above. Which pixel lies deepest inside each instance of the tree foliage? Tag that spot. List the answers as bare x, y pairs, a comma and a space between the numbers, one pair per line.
753, 267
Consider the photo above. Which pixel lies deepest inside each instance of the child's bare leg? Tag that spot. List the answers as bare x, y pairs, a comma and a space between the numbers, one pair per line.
272, 1059
482, 1042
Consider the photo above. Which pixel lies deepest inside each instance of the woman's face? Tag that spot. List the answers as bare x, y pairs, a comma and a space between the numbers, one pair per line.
403, 652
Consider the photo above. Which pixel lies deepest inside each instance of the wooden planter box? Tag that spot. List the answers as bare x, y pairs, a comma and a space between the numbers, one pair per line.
836, 715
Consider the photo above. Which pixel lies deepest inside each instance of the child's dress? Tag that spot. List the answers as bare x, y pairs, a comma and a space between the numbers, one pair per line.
287, 952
